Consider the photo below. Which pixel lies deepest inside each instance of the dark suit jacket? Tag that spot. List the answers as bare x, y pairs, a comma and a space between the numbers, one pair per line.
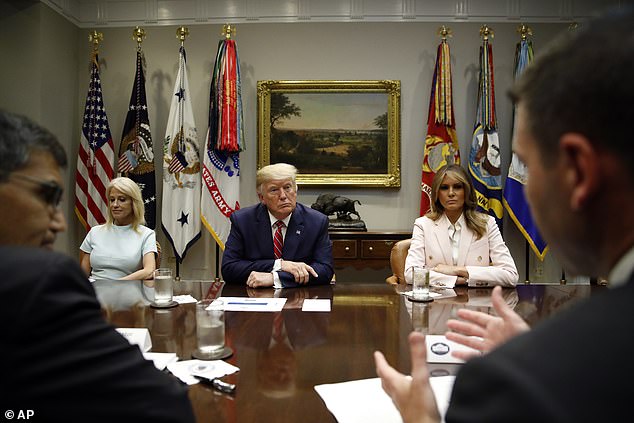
62, 360
570, 368
249, 246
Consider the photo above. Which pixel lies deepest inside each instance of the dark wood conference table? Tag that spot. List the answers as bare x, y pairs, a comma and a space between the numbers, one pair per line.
276, 379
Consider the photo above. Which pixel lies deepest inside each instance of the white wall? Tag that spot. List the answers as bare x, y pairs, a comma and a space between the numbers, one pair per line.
283, 51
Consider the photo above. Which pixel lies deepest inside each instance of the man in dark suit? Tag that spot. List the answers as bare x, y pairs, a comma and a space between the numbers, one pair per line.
573, 132
60, 358
278, 242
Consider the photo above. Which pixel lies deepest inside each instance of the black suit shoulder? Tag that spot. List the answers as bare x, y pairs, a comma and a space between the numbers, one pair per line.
60, 354
563, 370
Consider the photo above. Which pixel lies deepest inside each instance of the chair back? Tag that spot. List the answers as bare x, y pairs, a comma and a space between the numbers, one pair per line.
398, 254
158, 255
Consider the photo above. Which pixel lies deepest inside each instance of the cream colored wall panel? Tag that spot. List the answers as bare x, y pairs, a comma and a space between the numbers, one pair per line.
383, 8
126, 11
276, 8
438, 8
488, 8
329, 8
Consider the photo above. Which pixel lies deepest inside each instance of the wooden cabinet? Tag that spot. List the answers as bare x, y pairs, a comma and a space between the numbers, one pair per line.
365, 249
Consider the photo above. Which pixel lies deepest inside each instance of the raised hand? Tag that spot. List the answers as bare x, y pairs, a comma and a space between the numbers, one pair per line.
413, 396
482, 331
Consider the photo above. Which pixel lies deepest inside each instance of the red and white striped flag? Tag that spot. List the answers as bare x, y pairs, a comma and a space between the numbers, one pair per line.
95, 158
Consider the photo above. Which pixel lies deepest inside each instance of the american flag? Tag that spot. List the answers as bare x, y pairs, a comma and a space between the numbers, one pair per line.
178, 163
95, 158
127, 162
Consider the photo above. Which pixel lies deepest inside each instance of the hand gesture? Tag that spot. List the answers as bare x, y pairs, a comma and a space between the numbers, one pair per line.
412, 396
482, 331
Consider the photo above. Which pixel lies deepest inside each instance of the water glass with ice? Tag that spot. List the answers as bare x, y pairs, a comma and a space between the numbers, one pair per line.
210, 326
163, 286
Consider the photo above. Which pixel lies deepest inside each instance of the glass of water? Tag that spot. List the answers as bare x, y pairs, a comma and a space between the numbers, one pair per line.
210, 327
420, 283
163, 286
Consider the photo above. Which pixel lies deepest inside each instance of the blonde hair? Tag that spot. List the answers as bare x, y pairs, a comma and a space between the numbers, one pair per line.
274, 172
476, 221
130, 189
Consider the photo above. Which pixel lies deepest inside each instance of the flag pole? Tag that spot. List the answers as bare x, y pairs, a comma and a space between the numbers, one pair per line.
524, 32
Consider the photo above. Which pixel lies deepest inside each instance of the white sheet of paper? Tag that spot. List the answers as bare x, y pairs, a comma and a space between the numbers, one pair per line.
137, 336
253, 304
439, 349
442, 386
161, 360
316, 304
365, 401
184, 299
359, 401
185, 370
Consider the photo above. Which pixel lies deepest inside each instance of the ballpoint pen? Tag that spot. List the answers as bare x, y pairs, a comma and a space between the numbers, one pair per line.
219, 385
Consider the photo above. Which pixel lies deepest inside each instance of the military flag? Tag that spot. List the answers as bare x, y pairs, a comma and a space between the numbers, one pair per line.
224, 141
484, 157
441, 143
136, 155
514, 198
181, 168
95, 160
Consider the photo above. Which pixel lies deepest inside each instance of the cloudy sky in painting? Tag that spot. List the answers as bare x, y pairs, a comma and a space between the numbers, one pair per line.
336, 110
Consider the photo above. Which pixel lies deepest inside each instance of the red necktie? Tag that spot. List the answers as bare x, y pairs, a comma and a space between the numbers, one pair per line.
278, 241
278, 327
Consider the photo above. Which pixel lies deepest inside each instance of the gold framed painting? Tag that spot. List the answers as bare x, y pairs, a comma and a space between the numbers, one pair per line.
337, 133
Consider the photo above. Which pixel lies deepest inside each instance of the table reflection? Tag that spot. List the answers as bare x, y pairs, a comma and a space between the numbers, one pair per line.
283, 355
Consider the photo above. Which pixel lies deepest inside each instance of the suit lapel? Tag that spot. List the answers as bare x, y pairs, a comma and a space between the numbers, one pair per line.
442, 237
263, 231
466, 238
294, 233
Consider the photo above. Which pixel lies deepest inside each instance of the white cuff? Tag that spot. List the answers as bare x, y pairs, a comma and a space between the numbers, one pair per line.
276, 280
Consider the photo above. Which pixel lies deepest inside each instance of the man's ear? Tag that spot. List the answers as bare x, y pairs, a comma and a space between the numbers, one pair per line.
260, 197
582, 173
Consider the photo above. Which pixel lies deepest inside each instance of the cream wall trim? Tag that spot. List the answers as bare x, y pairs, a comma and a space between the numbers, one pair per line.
115, 13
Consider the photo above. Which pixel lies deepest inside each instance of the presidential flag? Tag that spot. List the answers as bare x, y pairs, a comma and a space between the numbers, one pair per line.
441, 143
181, 169
225, 139
136, 157
484, 157
514, 198
95, 160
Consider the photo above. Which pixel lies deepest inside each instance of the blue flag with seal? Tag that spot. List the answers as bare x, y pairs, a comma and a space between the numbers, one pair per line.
484, 157
514, 199
136, 155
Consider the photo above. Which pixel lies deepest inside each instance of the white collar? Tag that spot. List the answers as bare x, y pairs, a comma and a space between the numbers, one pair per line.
623, 269
273, 219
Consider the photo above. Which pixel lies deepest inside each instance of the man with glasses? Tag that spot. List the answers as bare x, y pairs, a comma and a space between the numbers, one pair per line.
31, 160
61, 360
278, 242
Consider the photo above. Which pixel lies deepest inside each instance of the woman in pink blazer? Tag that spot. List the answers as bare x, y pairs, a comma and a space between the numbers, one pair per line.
458, 244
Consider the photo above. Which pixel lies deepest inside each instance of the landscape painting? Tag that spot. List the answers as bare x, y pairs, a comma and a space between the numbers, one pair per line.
334, 132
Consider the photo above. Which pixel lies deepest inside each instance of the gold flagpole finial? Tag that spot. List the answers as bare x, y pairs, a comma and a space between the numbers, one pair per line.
228, 31
138, 35
485, 32
444, 32
95, 38
525, 31
182, 33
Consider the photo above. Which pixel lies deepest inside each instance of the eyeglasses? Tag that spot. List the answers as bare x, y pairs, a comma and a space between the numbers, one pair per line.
50, 191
